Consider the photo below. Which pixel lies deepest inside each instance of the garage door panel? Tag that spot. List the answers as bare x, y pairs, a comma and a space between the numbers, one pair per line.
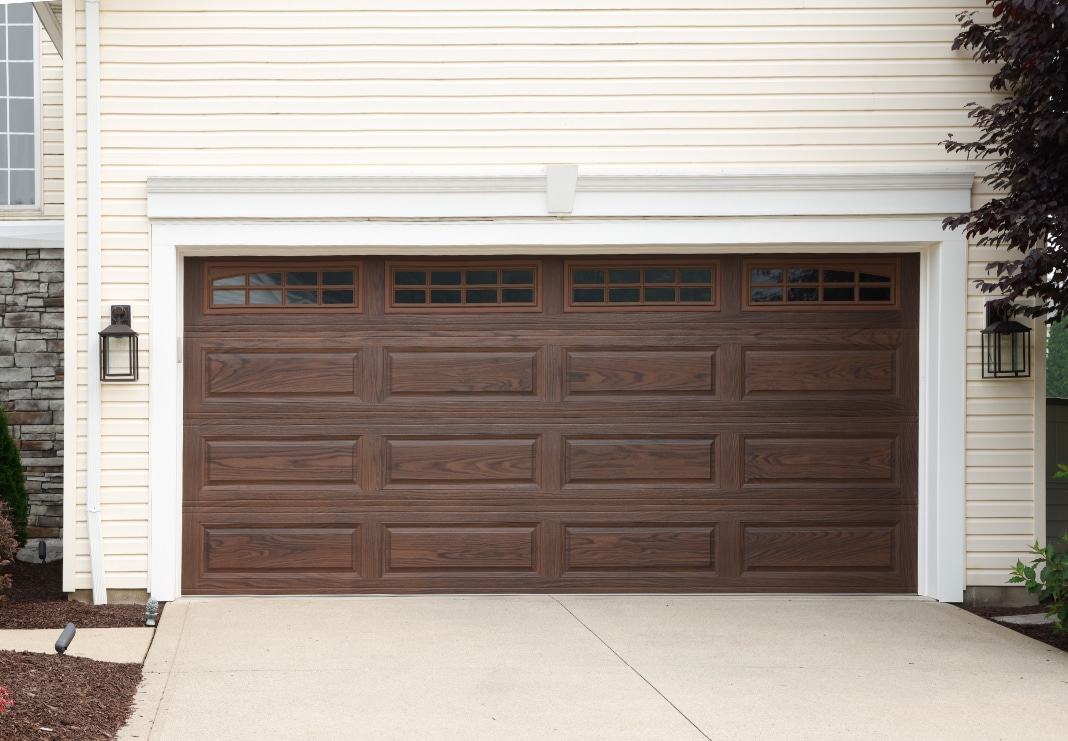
631, 459
451, 460
645, 547
787, 461
273, 374
788, 547
622, 373
460, 548
280, 549
281, 462
503, 372
820, 371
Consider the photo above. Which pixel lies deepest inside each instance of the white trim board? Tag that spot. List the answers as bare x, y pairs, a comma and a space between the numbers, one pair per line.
35, 234
425, 215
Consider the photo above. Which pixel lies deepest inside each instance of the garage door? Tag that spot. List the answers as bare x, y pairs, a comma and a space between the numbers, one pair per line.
603, 424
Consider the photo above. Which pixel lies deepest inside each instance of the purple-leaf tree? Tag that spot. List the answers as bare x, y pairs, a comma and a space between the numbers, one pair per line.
1027, 136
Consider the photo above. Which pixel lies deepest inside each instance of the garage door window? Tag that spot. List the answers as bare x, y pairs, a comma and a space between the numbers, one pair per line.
820, 285
463, 287
280, 287
644, 286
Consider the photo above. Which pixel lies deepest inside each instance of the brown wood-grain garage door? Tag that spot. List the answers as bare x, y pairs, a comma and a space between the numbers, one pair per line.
653, 424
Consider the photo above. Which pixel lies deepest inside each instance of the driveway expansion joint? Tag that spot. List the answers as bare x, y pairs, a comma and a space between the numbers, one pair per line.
626, 663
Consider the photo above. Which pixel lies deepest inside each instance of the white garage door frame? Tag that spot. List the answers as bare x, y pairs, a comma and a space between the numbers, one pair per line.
558, 211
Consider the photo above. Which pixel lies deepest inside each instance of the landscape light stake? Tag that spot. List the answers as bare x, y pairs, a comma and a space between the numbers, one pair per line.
65, 638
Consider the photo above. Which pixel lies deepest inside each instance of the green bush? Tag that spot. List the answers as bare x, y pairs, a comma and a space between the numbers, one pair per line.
13, 481
8, 546
1047, 576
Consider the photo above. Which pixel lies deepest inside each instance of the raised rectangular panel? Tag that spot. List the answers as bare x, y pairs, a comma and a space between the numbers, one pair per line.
462, 373
460, 548
640, 548
624, 372
838, 460
629, 460
818, 547
281, 549
453, 461
281, 373
280, 461
819, 371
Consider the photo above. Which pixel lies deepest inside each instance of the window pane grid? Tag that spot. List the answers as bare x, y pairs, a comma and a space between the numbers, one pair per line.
284, 288
468, 287
654, 286
18, 140
813, 284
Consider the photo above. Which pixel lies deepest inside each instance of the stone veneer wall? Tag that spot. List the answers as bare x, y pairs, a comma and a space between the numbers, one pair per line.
31, 375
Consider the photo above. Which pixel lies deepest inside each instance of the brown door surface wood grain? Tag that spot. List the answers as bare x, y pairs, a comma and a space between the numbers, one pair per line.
620, 450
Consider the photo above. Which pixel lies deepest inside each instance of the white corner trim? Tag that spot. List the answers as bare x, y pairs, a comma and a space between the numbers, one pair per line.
895, 212
35, 234
523, 194
560, 184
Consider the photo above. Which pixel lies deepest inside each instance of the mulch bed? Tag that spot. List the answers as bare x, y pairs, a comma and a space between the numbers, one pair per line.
62, 697
65, 697
1043, 633
36, 600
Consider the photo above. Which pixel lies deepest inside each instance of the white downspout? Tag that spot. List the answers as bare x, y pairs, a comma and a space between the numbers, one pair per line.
92, 186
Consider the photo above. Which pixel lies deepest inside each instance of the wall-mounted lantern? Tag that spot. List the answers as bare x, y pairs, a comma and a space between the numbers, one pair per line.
1006, 345
118, 347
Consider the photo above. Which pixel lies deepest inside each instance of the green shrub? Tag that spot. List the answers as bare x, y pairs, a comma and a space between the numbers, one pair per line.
13, 481
8, 546
1047, 576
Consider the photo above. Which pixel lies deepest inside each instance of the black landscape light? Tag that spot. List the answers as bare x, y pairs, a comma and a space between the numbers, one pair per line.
65, 638
1005, 345
118, 347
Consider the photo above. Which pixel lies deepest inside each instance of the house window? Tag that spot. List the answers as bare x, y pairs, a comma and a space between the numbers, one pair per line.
661, 285
19, 109
819, 284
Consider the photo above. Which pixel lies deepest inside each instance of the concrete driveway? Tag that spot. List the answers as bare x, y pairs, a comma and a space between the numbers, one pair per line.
545, 667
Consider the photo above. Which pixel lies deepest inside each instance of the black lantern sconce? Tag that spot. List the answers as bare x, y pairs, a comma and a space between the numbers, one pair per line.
1006, 345
118, 347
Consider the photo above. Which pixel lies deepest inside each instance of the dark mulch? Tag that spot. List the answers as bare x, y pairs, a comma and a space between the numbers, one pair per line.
36, 600
62, 697
1043, 633
65, 697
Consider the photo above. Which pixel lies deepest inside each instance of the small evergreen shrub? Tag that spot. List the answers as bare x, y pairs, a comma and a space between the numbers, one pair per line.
8, 546
13, 481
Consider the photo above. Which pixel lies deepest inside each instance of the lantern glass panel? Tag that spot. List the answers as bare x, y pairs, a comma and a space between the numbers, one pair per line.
119, 356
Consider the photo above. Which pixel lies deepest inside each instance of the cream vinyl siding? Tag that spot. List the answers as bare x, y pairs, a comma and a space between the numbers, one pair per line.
51, 129
1002, 490
271, 86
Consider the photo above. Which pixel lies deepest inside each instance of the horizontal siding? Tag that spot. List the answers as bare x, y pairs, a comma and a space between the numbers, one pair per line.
51, 129
703, 85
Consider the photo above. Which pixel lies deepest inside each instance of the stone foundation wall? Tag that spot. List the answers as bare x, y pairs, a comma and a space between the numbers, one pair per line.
31, 376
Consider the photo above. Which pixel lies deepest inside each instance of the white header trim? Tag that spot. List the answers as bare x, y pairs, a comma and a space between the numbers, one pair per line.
527, 194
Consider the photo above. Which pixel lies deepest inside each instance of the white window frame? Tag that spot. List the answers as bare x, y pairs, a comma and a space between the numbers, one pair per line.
38, 189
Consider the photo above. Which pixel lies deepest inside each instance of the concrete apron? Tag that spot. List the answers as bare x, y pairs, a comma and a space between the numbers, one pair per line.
631, 667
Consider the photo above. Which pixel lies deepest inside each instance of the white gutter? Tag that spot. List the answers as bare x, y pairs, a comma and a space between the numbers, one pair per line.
92, 184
